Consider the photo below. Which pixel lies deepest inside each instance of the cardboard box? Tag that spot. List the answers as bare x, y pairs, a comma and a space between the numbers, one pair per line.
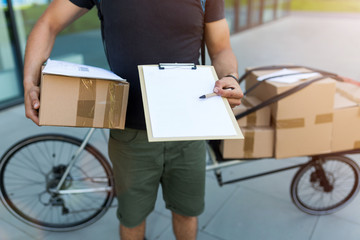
258, 143
305, 141
314, 99
346, 125
349, 90
259, 118
82, 102
303, 120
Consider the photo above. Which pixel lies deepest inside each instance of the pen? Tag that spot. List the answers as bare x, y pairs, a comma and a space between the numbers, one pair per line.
213, 94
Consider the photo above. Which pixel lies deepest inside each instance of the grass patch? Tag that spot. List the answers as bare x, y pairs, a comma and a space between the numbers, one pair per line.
326, 5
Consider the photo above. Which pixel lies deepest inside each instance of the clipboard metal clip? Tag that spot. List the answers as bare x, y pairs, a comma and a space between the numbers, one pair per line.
162, 66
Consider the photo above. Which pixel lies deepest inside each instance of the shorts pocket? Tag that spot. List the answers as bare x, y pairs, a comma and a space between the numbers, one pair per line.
126, 136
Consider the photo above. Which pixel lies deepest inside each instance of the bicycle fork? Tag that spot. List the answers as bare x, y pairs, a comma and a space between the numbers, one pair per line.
320, 175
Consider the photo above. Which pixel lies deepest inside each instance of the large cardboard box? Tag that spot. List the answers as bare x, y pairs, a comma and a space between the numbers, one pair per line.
82, 102
258, 142
346, 125
258, 118
303, 120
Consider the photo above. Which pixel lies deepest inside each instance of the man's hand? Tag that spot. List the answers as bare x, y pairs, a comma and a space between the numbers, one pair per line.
32, 103
233, 96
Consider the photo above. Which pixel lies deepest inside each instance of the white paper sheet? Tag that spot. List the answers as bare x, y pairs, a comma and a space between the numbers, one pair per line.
287, 79
175, 108
78, 70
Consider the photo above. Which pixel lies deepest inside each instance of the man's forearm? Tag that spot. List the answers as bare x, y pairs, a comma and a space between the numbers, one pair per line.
38, 49
225, 63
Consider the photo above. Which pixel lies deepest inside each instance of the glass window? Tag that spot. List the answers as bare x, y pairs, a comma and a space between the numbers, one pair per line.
10, 85
79, 43
230, 14
255, 12
282, 8
243, 14
269, 8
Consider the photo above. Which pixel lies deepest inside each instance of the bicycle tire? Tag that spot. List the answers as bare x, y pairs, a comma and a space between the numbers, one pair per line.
311, 194
31, 167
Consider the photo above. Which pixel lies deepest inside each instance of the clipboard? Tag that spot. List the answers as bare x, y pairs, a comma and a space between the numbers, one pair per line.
173, 110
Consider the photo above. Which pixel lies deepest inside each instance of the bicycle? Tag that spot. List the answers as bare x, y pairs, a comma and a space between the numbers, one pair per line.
61, 183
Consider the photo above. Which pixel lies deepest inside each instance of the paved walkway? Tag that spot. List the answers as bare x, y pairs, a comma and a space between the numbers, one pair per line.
257, 209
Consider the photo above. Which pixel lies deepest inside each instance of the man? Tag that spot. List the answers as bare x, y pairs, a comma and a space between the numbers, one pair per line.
146, 32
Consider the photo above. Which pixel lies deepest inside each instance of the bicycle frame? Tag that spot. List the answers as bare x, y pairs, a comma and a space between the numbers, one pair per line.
71, 164
215, 166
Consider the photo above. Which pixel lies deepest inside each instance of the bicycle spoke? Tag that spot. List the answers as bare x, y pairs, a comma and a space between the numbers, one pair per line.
27, 164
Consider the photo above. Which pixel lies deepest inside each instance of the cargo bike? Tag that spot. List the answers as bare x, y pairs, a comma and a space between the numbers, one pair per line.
60, 183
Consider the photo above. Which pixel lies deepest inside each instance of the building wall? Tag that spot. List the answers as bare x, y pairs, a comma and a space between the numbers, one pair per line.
81, 42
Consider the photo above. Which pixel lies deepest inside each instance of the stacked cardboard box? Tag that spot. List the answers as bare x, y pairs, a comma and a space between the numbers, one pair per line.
321, 118
258, 142
303, 120
346, 125
258, 118
259, 136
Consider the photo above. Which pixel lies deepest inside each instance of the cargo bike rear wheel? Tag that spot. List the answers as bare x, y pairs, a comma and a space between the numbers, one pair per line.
325, 184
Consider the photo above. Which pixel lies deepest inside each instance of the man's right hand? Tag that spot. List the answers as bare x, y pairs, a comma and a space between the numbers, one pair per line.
32, 103
56, 17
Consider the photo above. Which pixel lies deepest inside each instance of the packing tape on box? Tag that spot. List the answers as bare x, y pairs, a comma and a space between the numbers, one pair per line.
249, 139
251, 119
290, 123
113, 105
357, 145
86, 103
324, 118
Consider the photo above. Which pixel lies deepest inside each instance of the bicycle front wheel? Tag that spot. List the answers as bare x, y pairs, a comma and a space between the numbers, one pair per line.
325, 185
31, 170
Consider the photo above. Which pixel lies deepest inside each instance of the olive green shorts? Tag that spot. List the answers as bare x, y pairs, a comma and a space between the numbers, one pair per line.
139, 167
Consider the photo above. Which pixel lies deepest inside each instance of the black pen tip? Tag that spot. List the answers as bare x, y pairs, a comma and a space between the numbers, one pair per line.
203, 96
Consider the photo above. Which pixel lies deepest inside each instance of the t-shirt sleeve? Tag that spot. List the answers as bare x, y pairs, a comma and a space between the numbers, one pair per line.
214, 10
83, 3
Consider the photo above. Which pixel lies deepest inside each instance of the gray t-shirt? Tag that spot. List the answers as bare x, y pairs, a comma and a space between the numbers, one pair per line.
150, 32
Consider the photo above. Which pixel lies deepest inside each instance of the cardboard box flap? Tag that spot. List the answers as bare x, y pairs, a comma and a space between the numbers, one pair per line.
343, 102
288, 76
260, 73
260, 117
251, 101
78, 70
246, 103
349, 90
